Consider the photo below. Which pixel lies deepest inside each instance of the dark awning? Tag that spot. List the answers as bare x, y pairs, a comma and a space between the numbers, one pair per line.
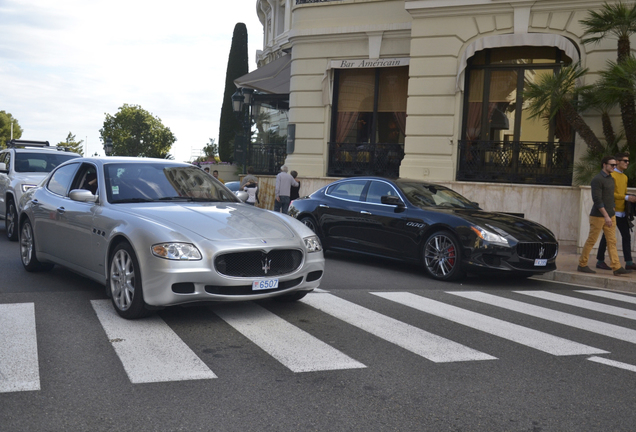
271, 78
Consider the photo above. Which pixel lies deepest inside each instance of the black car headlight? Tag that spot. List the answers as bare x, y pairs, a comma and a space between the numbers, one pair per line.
176, 251
490, 237
312, 244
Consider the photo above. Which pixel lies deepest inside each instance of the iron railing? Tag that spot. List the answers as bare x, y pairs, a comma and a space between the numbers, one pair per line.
266, 159
516, 162
312, 1
352, 159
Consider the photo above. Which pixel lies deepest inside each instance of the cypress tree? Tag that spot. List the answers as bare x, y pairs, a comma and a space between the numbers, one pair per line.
236, 67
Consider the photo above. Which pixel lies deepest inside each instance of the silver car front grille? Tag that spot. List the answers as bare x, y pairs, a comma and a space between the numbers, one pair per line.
258, 263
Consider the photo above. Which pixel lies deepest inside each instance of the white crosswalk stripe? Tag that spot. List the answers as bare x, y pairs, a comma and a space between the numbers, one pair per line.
148, 349
594, 326
609, 295
416, 340
513, 332
293, 347
19, 369
583, 304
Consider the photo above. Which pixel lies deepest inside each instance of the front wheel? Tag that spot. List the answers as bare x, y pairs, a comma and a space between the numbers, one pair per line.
309, 223
11, 221
442, 257
124, 280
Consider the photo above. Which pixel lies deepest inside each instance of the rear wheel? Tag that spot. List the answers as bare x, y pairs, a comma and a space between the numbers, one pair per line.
442, 257
27, 250
11, 221
124, 280
309, 223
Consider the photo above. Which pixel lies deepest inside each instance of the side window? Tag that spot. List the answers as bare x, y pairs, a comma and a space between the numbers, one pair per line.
350, 190
378, 189
61, 180
86, 178
3, 157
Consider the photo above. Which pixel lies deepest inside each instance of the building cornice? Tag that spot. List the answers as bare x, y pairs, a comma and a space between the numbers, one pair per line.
437, 8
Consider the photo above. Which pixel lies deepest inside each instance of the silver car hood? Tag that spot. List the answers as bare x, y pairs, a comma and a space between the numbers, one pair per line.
214, 221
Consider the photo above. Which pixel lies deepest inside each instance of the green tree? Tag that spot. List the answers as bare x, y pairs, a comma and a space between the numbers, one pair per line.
72, 144
136, 132
554, 93
211, 150
6, 120
236, 67
617, 20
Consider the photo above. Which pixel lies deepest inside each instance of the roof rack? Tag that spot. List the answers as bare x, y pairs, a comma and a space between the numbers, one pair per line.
26, 143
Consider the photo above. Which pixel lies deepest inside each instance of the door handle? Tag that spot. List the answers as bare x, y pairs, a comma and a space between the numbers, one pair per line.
61, 210
323, 205
364, 212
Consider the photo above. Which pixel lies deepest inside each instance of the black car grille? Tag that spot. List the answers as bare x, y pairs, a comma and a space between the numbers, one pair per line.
537, 250
259, 264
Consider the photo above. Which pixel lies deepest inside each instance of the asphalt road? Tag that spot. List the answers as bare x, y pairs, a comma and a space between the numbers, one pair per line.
383, 348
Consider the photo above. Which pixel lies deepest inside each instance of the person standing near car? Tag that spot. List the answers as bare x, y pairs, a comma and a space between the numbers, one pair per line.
284, 182
249, 178
621, 199
215, 173
602, 218
294, 192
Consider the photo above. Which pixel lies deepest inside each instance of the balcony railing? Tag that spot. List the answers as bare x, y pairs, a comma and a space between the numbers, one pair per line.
312, 1
516, 162
266, 159
352, 159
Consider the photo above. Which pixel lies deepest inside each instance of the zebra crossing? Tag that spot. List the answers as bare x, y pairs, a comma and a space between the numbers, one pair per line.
150, 351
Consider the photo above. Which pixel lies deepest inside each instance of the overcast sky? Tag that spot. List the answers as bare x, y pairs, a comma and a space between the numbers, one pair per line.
65, 63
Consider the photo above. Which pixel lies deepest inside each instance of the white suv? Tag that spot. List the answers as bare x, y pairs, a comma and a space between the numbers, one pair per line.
23, 164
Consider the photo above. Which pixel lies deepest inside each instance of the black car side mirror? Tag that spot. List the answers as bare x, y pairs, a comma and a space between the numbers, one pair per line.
392, 200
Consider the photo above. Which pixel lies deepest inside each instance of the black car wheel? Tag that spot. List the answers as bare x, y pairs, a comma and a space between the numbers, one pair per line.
124, 280
309, 223
27, 250
442, 257
11, 220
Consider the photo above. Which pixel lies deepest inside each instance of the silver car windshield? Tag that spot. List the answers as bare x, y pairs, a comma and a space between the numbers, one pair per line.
151, 182
427, 195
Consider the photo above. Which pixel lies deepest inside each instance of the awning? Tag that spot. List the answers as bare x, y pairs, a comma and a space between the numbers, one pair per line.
272, 78
515, 40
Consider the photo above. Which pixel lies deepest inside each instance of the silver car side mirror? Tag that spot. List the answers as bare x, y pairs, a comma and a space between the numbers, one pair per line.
82, 195
242, 195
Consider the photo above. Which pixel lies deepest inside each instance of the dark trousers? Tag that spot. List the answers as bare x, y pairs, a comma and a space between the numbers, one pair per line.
623, 227
282, 205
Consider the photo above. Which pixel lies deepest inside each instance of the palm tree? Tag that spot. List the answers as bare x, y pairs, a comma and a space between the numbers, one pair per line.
554, 93
618, 20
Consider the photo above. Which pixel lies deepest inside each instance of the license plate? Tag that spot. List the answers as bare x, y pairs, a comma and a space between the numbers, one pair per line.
264, 284
540, 262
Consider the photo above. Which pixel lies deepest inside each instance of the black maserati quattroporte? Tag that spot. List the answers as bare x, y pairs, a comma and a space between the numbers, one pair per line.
426, 223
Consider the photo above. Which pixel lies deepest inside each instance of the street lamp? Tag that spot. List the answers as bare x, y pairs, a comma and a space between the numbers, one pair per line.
108, 146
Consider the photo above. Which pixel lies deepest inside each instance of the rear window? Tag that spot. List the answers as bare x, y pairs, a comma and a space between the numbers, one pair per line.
40, 162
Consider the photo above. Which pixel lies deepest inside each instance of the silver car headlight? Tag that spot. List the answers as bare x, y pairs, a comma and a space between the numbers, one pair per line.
176, 251
490, 237
25, 187
312, 244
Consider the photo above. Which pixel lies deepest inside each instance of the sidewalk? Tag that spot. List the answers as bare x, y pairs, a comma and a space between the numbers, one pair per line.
567, 262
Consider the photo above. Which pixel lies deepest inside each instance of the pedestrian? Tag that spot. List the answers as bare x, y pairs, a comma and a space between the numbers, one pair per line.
602, 218
284, 182
215, 173
294, 192
250, 177
207, 170
621, 199
252, 193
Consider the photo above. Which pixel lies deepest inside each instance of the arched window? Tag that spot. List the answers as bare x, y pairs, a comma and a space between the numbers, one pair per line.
499, 142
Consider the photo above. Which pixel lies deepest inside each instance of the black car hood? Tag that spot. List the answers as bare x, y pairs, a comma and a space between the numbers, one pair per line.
521, 229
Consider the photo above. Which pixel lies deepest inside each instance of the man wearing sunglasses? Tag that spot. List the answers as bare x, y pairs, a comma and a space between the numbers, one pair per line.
622, 223
602, 218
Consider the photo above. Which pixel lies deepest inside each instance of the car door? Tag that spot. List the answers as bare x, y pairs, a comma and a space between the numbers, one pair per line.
386, 229
5, 182
339, 215
75, 220
49, 205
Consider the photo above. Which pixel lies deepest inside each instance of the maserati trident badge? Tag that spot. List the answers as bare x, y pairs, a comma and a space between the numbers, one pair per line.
541, 251
266, 264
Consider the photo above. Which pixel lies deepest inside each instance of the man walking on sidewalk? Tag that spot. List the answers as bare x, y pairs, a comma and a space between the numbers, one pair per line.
602, 218
622, 223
